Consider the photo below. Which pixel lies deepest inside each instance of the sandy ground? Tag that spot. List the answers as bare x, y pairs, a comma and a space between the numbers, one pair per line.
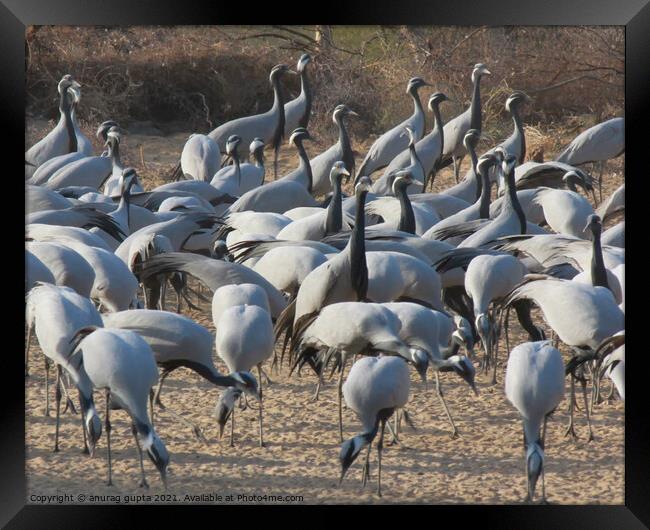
485, 464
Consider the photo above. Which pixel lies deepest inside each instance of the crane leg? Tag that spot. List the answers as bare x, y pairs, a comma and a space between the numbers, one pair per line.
156, 399
107, 425
68, 402
380, 447
47, 387
85, 450
394, 429
454, 430
58, 395
232, 428
27, 343
365, 476
151, 394
583, 383
506, 329
265, 375
318, 386
456, 168
570, 429
495, 354
543, 473
259, 371
163, 296
143, 481
339, 391
600, 182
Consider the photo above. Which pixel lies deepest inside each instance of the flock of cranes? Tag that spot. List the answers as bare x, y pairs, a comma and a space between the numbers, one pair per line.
390, 276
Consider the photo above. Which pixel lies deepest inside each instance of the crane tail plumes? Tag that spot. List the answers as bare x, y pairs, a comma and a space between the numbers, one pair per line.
521, 290
606, 347
97, 218
177, 173
460, 257
284, 323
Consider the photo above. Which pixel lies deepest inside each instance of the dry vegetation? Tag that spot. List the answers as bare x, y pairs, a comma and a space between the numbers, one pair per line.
178, 79
196, 78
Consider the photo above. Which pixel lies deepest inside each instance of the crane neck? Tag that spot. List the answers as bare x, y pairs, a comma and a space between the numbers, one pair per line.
477, 177
235, 158
305, 166
598, 270
114, 153
417, 108
344, 143
415, 159
278, 111
438, 128
441, 365
258, 157
305, 91
511, 201
124, 206
519, 132
357, 249
475, 105
406, 217
334, 219
211, 374
66, 113
486, 188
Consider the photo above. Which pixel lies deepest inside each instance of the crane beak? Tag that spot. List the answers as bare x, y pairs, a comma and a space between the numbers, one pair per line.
352, 113
293, 72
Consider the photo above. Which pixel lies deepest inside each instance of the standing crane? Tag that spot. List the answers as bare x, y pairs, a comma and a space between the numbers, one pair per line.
121, 363
375, 388
535, 386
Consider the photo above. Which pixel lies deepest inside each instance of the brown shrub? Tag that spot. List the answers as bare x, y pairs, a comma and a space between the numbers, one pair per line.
195, 78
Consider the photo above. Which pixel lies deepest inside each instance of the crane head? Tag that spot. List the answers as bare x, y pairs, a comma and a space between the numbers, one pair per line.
349, 452
220, 251
594, 224
509, 163
420, 360
415, 83
435, 100
485, 162
231, 144
299, 134
256, 145
339, 171
304, 60
534, 465
225, 406
341, 111
465, 369
471, 138
155, 449
363, 185
102, 130
402, 179
93, 424
278, 70
517, 98
479, 70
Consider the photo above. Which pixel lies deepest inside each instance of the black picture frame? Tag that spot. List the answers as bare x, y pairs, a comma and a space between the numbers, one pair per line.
15, 15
